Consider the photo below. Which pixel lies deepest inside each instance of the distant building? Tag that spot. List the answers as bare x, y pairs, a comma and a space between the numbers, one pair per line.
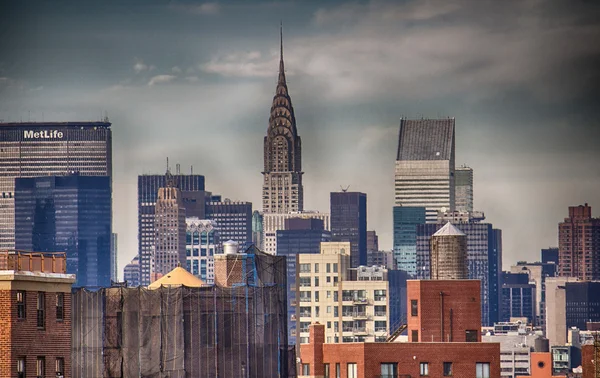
518, 297
424, 173
36, 149
582, 303
406, 220
114, 274
201, 245
556, 309
349, 223
449, 254
192, 193
233, 220
131, 272
69, 214
36, 315
463, 181
372, 241
550, 255
273, 222
382, 258
257, 229
537, 272
579, 244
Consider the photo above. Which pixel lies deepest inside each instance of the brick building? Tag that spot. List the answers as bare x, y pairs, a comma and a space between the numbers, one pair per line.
366, 360
541, 366
579, 244
444, 310
35, 308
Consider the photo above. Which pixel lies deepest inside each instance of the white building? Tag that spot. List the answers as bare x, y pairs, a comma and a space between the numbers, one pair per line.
201, 246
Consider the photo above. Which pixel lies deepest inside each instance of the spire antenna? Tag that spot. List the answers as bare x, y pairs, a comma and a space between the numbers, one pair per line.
281, 40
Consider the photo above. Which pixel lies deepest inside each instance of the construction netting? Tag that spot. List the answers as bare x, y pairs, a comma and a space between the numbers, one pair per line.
179, 332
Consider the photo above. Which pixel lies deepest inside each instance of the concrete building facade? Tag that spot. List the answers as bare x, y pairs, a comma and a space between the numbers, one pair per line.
201, 245
463, 181
556, 309
170, 231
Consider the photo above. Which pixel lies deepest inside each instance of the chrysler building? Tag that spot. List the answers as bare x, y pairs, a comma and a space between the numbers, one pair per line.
282, 184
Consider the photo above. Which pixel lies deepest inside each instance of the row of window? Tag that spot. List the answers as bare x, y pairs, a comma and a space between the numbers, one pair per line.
40, 367
40, 307
390, 370
329, 268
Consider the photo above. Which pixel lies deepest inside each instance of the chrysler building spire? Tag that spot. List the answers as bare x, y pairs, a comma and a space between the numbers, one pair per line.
282, 184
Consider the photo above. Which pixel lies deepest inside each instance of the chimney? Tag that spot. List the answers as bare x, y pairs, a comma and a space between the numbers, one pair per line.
230, 266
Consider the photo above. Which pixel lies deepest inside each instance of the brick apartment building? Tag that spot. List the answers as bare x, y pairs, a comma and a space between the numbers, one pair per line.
35, 308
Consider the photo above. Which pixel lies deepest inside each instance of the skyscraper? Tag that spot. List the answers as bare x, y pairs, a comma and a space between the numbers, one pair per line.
131, 272
579, 244
233, 220
201, 242
406, 220
192, 188
282, 181
69, 214
463, 181
34, 149
349, 223
271, 223
257, 229
449, 254
372, 241
424, 174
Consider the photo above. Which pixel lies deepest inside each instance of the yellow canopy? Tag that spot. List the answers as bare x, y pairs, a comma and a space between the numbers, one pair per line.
177, 277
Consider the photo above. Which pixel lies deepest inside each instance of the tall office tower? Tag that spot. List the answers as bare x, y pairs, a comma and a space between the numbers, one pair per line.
233, 221
300, 236
257, 229
372, 241
114, 275
131, 272
282, 182
349, 223
582, 303
556, 304
463, 184
69, 214
537, 273
484, 256
449, 254
273, 222
201, 244
192, 189
579, 244
518, 297
406, 220
550, 255
424, 174
35, 149
170, 230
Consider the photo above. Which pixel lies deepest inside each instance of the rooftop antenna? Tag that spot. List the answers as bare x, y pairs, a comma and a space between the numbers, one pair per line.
178, 168
167, 164
192, 170
345, 190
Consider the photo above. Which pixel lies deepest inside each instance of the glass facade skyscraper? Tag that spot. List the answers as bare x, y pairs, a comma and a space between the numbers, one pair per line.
233, 220
349, 223
35, 149
406, 220
69, 214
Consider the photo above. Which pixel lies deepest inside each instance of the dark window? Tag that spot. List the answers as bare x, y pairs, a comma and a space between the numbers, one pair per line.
414, 307
60, 367
41, 367
21, 305
471, 335
415, 336
447, 369
41, 307
60, 306
21, 367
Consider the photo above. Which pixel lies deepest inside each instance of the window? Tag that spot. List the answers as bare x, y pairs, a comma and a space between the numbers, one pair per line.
305, 369
41, 367
389, 370
447, 369
326, 373
304, 268
414, 335
21, 305
316, 296
60, 367
60, 306
41, 305
338, 371
316, 281
471, 335
328, 268
424, 368
352, 370
482, 370
21, 367
335, 267
414, 307
316, 267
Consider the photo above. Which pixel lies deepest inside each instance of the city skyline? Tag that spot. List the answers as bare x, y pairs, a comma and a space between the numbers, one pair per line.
524, 123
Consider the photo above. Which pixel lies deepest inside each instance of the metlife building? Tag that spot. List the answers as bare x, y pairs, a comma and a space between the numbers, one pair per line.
34, 149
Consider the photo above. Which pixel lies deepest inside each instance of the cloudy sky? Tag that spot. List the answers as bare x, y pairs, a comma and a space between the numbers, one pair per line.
194, 81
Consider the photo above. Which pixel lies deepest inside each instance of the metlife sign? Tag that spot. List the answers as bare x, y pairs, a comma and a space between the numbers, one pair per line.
43, 134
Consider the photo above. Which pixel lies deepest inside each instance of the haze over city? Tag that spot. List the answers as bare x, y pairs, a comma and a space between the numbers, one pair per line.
194, 82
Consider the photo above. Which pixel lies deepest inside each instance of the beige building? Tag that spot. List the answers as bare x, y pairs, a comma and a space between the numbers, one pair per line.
274, 222
449, 254
556, 309
352, 304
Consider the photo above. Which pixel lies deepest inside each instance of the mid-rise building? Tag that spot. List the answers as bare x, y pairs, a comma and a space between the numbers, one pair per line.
357, 305
449, 254
406, 220
170, 231
582, 303
273, 222
382, 258
463, 181
35, 331
34, 149
550, 255
282, 190
556, 309
518, 297
372, 241
192, 193
349, 223
579, 244
201, 245
131, 273
69, 214
537, 272
233, 220
424, 173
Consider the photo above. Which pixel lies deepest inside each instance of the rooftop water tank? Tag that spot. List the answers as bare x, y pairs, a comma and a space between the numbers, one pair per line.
230, 247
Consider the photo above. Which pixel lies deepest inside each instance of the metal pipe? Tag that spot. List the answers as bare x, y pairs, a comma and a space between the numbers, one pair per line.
441, 316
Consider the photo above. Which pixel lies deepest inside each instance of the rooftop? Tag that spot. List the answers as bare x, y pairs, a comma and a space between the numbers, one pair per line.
177, 277
449, 229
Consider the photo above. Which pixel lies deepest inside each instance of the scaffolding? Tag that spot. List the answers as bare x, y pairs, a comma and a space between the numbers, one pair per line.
181, 332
